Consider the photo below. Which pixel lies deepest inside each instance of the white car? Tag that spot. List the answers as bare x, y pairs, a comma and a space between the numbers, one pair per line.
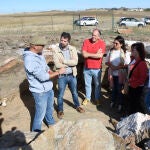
146, 20
85, 21
131, 22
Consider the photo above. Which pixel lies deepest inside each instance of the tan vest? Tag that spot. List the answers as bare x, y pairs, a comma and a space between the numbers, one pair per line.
60, 62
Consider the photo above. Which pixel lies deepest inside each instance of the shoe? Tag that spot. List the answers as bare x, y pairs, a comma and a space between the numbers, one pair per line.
85, 101
98, 103
119, 108
80, 109
51, 125
38, 131
112, 104
60, 114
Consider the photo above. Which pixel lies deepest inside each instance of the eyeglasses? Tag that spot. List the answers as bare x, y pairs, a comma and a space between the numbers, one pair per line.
115, 43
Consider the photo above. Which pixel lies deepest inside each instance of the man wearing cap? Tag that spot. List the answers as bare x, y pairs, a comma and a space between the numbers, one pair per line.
66, 56
39, 77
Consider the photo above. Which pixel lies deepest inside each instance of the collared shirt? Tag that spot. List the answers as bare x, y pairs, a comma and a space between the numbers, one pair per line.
37, 72
60, 61
66, 54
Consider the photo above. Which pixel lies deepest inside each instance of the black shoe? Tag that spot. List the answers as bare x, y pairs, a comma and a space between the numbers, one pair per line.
38, 131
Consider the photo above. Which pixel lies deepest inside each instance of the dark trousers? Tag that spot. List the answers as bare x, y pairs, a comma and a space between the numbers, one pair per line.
117, 96
135, 99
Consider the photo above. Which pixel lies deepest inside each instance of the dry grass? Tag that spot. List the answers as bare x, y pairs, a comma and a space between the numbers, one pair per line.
58, 21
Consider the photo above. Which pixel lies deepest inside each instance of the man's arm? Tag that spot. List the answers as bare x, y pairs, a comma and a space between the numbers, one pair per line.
97, 55
74, 58
41, 73
57, 62
56, 73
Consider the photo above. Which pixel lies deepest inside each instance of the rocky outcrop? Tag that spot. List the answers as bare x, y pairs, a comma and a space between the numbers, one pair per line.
134, 129
9, 65
85, 134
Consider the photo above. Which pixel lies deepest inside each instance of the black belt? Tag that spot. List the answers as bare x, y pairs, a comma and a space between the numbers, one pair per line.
69, 74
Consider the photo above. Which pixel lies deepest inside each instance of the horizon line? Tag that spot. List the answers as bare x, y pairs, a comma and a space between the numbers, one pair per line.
36, 11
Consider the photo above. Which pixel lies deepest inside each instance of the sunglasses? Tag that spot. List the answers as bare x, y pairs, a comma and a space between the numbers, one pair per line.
115, 43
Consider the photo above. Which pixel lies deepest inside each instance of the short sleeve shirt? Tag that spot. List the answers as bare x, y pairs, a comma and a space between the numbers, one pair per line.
88, 46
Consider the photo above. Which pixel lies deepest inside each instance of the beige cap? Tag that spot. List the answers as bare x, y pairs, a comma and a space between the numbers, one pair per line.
38, 41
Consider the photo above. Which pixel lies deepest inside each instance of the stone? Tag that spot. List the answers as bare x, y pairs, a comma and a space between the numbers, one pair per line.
65, 135
124, 31
9, 65
134, 128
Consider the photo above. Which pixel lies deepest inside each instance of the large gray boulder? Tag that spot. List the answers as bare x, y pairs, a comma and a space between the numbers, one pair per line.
134, 128
85, 134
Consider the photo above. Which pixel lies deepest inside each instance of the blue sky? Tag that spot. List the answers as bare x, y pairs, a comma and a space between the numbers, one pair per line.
14, 6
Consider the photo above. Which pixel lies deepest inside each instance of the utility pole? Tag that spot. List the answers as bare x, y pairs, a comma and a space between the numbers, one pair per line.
112, 19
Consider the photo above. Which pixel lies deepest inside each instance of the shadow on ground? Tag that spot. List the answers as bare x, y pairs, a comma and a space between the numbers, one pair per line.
105, 107
27, 99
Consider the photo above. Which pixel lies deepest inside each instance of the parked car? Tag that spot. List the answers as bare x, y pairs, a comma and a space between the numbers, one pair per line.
131, 22
146, 20
120, 20
85, 21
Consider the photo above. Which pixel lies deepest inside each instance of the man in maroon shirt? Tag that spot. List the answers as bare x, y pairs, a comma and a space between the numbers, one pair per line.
93, 50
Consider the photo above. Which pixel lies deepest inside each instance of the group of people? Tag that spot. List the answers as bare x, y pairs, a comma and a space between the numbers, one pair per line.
65, 58
127, 67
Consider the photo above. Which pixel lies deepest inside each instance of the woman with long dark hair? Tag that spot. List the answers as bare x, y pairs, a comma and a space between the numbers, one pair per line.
137, 77
115, 60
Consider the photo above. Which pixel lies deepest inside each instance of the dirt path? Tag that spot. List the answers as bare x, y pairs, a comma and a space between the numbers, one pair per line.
20, 111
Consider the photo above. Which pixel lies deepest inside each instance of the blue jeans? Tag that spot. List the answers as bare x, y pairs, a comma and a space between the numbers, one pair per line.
147, 100
94, 74
117, 96
71, 81
43, 109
